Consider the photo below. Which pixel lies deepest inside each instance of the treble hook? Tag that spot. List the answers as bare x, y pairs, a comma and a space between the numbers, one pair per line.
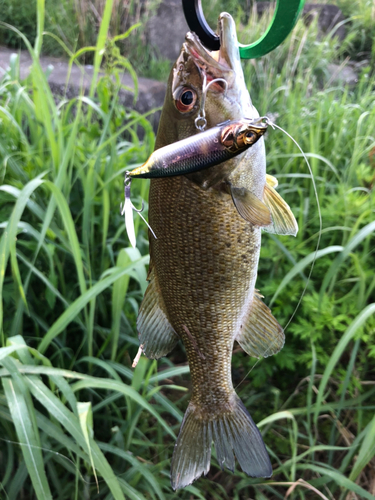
200, 121
127, 208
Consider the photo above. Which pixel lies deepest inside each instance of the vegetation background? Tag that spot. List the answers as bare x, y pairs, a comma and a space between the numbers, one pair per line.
76, 422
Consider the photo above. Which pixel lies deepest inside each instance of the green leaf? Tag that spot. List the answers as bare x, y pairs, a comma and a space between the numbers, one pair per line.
300, 266
6, 351
339, 349
119, 292
29, 443
366, 452
86, 423
68, 420
8, 238
340, 479
74, 309
349, 247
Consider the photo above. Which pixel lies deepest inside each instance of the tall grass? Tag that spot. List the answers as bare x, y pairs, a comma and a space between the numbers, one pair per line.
76, 421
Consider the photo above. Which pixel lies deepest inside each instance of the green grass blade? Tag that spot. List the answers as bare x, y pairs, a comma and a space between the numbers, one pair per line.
300, 266
40, 26
366, 451
100, 44
8, 239
86, 422
113, 385
75, 308
349, 247
119, 292
26, 437
367, 312
340, 479
70, 228
144, 470
6, 351
68, 420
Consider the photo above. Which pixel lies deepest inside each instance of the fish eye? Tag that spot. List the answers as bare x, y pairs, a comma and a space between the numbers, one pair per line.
186, 100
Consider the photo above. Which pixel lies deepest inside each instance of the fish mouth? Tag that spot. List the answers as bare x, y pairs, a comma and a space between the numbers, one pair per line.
224, 61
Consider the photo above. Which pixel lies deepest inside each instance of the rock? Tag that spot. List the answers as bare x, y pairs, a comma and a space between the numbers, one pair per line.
329, 16
167, 29
151, 93
342, 75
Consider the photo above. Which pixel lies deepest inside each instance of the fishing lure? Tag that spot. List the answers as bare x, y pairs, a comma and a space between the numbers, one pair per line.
204, 150
195, 153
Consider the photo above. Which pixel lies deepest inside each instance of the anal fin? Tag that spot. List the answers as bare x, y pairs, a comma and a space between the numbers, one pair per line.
260, 334
156, 335
283, 220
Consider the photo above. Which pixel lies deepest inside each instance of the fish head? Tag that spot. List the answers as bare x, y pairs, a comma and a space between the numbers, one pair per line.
226, 96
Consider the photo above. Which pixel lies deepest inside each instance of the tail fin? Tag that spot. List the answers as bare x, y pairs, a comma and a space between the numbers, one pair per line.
233, 433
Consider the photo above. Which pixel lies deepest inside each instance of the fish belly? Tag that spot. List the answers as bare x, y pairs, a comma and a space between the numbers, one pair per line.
205, 259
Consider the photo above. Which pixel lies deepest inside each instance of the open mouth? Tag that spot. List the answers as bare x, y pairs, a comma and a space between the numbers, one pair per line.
215, 64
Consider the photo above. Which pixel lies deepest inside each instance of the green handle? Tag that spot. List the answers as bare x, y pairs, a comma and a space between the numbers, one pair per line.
284, 20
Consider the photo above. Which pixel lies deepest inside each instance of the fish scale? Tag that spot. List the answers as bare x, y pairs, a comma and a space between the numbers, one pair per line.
195, 265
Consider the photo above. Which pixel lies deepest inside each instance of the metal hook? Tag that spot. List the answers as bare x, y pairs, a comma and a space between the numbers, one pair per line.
284, 20
200, 121
127, 208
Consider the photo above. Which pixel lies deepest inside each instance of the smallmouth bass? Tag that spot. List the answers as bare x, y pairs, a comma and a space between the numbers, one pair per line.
203, 265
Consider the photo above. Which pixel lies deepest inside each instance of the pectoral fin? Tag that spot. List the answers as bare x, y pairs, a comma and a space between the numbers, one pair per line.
260, 334
156, 335
251, 208
283, 220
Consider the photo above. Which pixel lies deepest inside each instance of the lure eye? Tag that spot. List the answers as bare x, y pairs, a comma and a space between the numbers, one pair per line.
186, 100
250, 137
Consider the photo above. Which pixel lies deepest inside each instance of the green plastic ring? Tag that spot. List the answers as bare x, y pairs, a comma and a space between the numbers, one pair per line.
284, 20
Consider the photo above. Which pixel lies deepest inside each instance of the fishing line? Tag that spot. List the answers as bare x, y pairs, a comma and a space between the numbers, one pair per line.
273, 125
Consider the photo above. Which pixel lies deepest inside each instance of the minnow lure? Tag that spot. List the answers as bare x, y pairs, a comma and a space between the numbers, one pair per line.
203, 150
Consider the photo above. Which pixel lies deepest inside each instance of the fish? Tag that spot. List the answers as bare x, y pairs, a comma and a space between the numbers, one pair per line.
203, 264
204, 150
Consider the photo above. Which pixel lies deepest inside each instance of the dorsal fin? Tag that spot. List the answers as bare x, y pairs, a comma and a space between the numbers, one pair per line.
283, 220
272, 181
